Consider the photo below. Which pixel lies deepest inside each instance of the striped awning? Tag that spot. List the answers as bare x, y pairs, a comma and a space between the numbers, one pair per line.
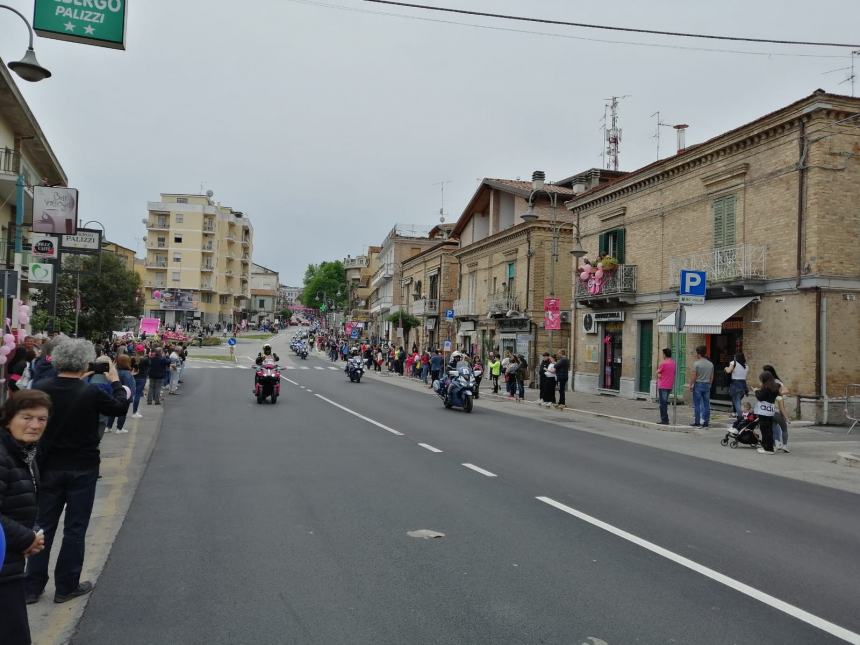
707, 318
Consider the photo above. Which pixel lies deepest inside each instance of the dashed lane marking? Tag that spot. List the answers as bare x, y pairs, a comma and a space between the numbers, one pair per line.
360, 416
761, 596
478, 469
429, 447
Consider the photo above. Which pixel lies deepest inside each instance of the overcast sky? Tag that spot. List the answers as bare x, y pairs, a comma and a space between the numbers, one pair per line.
327, 126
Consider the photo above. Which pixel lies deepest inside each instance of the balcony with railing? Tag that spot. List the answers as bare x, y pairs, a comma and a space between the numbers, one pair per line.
209, 229
731, 267
385, 272
380, 305
155, 284
158, 223
9, 161
156, 244
158, 262
502, 302
207, 267
359, 262
465, 307
425, 307
209, 247
206, 286
246, 241
617, 287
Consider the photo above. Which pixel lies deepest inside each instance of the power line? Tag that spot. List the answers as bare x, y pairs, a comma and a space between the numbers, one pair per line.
584, 25
550, 34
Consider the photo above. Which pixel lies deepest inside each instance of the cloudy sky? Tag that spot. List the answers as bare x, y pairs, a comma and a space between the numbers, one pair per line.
328, 121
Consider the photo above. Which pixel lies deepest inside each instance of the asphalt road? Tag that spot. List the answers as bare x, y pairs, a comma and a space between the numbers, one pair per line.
289, 523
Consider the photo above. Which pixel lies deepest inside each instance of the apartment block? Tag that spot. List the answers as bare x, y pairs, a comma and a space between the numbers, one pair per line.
264, 294
198, 261
769, 211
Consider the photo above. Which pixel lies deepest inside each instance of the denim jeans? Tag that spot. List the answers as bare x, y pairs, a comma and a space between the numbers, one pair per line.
663, 399
702, 403
425, 372
139, 387
737, 390
75, 490
154, 392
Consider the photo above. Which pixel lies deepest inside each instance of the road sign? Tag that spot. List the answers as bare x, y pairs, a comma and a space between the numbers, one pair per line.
449, 314
231, 342
680, 318
446, 346
43, 246
91, 22
354, 333
41, 273
693, 287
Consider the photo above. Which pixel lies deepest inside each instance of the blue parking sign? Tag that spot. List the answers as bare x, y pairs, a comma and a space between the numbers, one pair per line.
694, 286
449, 314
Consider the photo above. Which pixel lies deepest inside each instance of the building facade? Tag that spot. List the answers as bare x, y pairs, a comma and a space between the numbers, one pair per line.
769, 211
264, 294
198, 262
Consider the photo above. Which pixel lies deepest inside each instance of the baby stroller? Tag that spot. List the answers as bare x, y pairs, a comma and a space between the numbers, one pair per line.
742, 432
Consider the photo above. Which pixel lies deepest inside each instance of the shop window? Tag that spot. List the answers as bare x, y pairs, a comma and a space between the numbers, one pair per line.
612, 243
724, 221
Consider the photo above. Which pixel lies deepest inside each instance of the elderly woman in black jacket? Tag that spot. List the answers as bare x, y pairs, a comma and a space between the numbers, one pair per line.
23, 419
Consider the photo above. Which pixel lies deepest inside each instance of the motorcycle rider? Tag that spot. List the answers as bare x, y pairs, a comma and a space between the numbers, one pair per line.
267, 353
353, 353
453, 362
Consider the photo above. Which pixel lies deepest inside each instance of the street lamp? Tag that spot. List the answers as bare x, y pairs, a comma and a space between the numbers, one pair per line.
28, 67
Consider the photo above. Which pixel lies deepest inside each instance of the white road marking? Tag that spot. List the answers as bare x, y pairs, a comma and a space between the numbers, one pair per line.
317, 367
752, 592
360, 416
289, 380
332, 367
485, 473
429, 447
310, 390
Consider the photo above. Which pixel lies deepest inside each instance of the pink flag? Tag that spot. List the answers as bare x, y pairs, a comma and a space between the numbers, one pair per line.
551, 314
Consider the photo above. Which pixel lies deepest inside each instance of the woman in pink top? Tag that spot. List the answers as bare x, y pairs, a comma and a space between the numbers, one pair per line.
665, 383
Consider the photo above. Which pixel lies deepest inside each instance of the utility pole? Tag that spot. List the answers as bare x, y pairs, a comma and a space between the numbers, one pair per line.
612, 132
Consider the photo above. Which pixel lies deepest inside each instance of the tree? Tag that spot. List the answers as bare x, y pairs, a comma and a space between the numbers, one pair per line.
107, 297
326, 281
285, 314
405, 320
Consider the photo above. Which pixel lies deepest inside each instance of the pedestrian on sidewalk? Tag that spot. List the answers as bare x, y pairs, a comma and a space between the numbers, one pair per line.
562, 370
175, 370
23, 419
495, 367
140, 371
478, 372
513, 366
68, 460
123, 368
425, 366
157, 370
766, 396
737, 368
780, 417
701, 378
546, 382
521, 376
665, 383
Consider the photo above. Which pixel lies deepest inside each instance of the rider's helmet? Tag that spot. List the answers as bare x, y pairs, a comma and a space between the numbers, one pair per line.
354, 351
267, 349
456, 356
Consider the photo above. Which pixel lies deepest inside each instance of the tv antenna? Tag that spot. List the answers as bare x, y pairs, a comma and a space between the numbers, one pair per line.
441, 185
612, 132
852, 75
660, 124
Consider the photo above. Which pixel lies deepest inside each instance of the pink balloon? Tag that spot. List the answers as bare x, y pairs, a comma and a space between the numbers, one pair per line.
599, 274
24, 309
584, 275
24, 320
156, 294
4, 350
2, 360
9, 339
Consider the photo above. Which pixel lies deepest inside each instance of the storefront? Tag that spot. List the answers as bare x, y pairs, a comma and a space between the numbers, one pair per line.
722, 349
612, 356
513, 335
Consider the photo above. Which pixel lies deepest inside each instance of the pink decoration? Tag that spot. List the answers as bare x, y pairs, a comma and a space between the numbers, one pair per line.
9, 339
4, 350
24, 320
599, 274
584, 276
24, 309
2, 360
156, 294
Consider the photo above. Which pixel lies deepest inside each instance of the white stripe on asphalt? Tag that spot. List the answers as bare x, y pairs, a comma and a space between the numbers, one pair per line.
317, 367
332, 367
360, 416
761, 596
429, 447
289, 380
486, 473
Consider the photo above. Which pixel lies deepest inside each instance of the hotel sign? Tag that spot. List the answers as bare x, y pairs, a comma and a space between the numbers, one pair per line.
90, 22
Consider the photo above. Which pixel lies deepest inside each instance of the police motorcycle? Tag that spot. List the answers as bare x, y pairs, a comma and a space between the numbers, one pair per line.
354, 366
267, 380
457, 389
303, 350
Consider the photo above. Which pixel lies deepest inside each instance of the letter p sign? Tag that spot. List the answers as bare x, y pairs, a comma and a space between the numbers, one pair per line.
693, 283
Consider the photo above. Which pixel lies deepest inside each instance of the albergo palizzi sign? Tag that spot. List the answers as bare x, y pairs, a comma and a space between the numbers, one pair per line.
91, 22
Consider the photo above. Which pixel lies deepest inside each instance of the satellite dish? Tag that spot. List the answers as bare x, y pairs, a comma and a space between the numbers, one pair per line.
442, 219
210, 193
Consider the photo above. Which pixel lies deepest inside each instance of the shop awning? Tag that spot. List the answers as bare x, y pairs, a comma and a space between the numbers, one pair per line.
707, 318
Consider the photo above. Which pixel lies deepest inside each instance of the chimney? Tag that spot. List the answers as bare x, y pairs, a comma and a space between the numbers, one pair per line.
681, 129
538, 179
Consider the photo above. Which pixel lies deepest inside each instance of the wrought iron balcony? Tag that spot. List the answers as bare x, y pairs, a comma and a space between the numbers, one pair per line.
9, 161
617, 287
729, 264
156, 263
385, 272
425, 307
500, 303
208, 248
465, 307
158, 224
355, 263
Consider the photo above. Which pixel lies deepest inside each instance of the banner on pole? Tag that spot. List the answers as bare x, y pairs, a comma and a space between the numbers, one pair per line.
551, 314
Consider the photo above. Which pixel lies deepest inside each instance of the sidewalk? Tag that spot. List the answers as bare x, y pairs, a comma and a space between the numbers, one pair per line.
818, 453
124, 459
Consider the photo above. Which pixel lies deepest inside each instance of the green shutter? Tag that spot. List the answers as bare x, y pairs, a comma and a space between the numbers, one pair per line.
619, 238
601, 244
724, 221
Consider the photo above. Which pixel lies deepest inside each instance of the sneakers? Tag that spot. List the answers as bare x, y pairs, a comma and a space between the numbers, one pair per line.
32, 598
83, 589
695, 425
785, 449
137, 415
123, 431
762, 451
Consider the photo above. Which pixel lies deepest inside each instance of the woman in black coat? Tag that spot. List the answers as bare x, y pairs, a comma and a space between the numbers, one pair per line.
23, 421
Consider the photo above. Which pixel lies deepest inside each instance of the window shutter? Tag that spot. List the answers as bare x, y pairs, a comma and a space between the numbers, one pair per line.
602, 244
719, 225
619, 239
729, 222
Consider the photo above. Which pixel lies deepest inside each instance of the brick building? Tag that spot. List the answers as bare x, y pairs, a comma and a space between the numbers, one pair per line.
770, 211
